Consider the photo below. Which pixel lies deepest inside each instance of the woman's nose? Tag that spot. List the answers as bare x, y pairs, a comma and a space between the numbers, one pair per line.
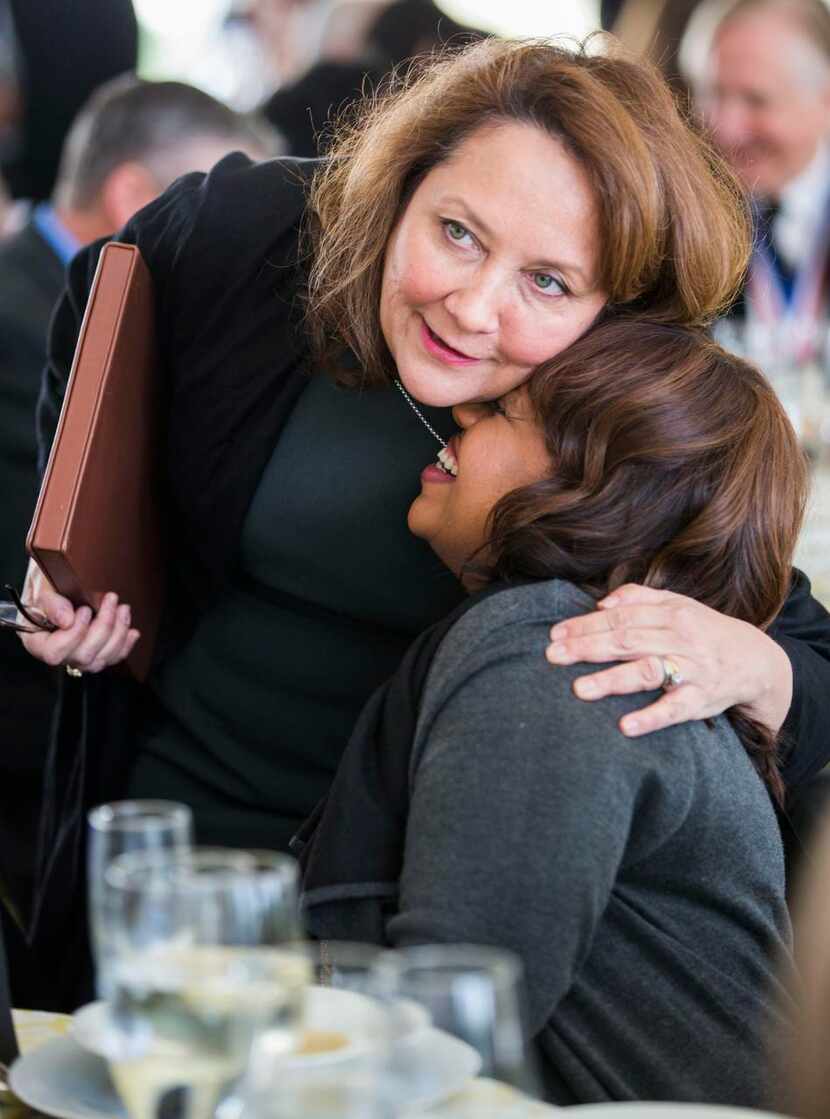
475, 303
465, 415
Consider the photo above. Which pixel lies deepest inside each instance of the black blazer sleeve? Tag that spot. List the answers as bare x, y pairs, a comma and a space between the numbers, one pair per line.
802, 629
223, 250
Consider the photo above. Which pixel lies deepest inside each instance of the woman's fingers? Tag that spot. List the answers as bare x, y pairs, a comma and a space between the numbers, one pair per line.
632, 593
90, 644
109, 628
642, 675
678, 705
722, 661
57, 647
651, 615
119, 644
627, 643
58, 610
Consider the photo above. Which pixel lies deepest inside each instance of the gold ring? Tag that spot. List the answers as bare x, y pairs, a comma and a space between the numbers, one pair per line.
73, 672
672, 677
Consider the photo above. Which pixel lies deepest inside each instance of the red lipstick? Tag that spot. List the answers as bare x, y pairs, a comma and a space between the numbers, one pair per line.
439, 349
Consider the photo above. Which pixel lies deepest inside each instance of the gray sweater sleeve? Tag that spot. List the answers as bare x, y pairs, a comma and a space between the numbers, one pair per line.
522, 800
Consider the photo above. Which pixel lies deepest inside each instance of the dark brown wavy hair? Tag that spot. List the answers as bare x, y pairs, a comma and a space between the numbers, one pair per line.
674, 228
675, 466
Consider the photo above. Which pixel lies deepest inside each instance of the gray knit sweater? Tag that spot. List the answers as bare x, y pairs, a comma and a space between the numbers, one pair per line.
641, 881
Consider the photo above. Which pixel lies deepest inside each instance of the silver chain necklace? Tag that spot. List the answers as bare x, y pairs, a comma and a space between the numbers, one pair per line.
420, 414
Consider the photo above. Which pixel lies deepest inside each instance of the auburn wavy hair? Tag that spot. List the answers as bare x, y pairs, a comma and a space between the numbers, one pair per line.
674, 465
674, 223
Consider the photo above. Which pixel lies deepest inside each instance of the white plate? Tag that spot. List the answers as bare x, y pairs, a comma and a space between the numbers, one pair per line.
326, 1009
61, 1078
33, 1028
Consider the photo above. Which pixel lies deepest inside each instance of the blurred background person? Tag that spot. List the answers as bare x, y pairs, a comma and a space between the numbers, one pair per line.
10, 216
609, 11
127, 145
764, 90
761, 75
654, 28
64, 52
357, 43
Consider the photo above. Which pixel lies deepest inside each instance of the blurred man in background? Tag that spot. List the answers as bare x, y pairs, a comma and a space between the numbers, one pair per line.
131, 141
765, 93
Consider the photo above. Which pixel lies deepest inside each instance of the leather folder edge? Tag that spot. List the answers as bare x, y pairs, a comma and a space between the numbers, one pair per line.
49, 554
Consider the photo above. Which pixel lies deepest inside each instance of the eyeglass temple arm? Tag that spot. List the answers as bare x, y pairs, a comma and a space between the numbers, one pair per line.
24, 610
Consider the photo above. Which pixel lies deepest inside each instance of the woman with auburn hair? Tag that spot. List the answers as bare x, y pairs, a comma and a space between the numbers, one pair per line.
316, 321
479, 802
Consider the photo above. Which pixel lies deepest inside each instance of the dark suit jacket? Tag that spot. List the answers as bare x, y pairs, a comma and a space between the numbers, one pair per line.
31, 280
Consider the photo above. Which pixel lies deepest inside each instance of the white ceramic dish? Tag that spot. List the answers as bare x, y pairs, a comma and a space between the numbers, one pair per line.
60, 1078
327, 1009
63, 1079
33, 1028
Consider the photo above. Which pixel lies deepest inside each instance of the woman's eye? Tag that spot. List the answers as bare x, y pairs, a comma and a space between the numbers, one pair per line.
498, 407
545, 282
455, 230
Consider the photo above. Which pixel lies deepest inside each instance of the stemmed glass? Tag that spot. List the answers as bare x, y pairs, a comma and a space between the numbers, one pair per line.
476, 994
205, 957
155, 826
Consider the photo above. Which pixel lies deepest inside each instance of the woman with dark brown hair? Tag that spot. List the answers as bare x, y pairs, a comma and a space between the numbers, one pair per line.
316, 321
479, 802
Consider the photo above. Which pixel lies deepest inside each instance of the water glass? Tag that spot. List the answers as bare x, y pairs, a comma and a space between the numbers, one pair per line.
116, 829
477, 995
205, 957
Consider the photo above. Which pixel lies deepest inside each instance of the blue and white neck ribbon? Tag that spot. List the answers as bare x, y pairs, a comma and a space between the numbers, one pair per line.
801, 310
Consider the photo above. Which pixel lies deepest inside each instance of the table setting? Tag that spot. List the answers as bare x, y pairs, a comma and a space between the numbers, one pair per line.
212, 1006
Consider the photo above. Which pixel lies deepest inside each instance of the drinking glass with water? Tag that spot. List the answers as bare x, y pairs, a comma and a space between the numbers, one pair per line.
205, 956
118, 828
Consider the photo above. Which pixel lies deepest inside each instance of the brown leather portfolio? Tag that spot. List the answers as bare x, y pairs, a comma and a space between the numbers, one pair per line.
97, 525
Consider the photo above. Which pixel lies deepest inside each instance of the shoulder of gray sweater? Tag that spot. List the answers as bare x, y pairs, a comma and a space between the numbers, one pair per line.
489, 623
511, 627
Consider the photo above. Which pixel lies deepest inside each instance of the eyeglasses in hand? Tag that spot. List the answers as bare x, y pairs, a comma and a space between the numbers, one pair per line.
35, 621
